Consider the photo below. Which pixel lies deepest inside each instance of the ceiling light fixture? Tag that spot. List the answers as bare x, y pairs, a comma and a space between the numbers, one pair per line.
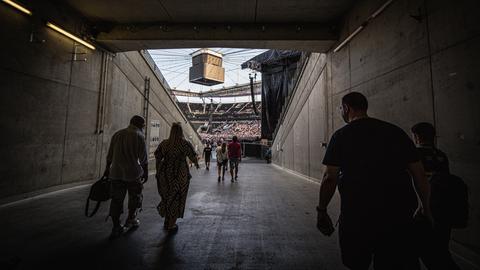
68, 34
17, 6
363, 25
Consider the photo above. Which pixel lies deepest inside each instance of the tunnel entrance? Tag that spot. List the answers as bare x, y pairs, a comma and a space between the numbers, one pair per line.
74, 72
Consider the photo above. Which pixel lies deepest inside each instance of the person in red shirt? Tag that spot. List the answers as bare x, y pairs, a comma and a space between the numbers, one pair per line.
235, 156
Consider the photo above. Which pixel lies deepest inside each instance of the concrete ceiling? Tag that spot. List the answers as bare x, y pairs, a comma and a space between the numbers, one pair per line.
284, 24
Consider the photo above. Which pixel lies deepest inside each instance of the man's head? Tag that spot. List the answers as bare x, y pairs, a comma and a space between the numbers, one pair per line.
423, 133
138, 121
235, 139
354, 105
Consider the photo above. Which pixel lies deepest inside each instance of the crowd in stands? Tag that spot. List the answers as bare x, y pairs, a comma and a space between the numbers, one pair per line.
244, 130
196, 110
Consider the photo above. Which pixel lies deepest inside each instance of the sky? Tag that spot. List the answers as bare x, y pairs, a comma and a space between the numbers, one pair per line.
175, 63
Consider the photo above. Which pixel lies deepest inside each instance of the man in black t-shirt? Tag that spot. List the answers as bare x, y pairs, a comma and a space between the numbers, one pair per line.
207, 154
373, 163
434, 249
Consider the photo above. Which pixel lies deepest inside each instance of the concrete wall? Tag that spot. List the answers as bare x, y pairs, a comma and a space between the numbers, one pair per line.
411, 70
52, 134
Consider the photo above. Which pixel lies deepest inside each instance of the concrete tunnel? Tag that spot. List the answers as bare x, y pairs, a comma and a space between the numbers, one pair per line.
61, 101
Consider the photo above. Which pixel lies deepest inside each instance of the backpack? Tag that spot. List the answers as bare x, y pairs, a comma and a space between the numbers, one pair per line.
99, 192
449, 200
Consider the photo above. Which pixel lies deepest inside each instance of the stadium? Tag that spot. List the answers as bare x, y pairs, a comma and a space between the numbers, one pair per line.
216, 119
221, 97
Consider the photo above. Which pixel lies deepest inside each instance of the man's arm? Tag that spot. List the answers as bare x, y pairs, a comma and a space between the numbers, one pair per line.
240, 151
328, 186
143, 158
422, 188
327, 190
109, 157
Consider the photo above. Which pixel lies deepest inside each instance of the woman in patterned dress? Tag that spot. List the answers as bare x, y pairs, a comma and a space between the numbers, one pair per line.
173, 175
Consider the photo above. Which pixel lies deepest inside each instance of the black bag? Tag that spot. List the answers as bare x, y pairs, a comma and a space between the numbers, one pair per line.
99, 192
449, 200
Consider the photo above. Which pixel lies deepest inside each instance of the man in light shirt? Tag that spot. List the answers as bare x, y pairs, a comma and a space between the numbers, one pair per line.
127, 167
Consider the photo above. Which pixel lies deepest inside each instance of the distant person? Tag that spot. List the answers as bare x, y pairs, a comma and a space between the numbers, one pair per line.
234, 156
127, 167
222, 160
373, 163
214, 150
435, 252
173, 175
207, 154
268, 155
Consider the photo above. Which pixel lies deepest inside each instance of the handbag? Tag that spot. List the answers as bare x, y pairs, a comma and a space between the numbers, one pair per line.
100, 191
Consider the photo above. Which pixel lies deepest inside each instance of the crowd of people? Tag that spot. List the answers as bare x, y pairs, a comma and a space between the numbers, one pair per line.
244, 130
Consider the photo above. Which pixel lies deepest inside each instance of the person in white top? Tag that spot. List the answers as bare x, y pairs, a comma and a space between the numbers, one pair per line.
127, 167
222, 159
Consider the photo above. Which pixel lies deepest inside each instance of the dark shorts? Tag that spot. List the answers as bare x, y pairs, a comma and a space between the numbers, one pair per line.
207, 159
234, 162
119, 191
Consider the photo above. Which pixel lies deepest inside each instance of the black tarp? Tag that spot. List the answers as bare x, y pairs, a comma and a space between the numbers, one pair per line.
279, 74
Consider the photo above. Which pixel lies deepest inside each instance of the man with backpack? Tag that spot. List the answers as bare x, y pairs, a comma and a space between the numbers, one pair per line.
448, 193
127, 167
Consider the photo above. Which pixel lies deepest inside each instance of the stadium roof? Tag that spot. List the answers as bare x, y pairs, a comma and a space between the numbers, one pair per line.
174, 65
232, 91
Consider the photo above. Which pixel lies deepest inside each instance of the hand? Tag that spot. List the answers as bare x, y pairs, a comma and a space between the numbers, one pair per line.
422, 213
144, 178
324, 223
106, 173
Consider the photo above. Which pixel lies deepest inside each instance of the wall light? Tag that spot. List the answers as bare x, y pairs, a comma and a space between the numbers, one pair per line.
18, 7
363, 25
63, 32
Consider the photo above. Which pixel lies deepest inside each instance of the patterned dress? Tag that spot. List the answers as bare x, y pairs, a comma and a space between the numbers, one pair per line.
173, 176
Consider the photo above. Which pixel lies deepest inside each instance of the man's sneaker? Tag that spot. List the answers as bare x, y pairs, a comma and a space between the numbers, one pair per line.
219, 179
132, 223
117, 231
236, 178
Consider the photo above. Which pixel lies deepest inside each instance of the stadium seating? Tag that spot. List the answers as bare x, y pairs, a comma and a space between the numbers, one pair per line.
216, 121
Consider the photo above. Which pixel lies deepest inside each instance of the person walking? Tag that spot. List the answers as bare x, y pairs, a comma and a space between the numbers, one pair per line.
434, 247
207, 154
234, 156
127, 167
222, 159
173, 175
373, 163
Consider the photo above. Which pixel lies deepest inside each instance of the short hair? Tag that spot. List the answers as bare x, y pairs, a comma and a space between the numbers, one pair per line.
137, 121
356, 101
425, 131
235, 138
